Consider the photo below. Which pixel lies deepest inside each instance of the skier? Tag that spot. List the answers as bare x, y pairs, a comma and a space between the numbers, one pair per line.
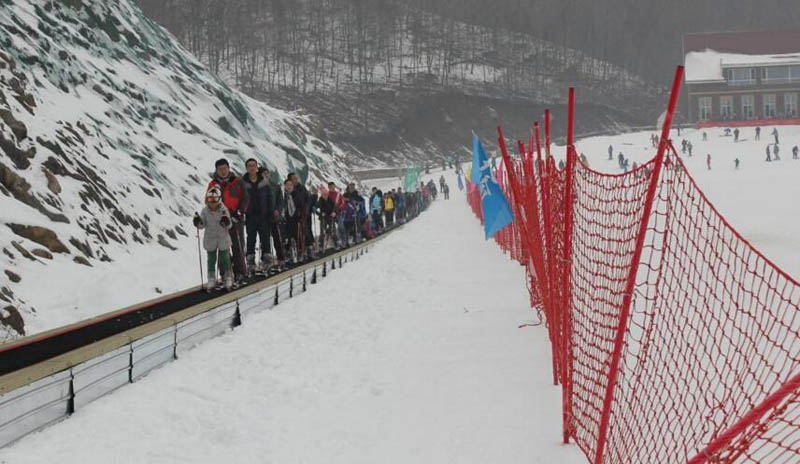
736, 163
705, 137
234, 196
775, 150
689, 147
610, 152
290, 222
302, 201
400, 206
708, 161
769, 154
441, 184
276, 226
376, 207
736, 135
561, 165
775, 134
758, 133
216, 220
388, 208
795, 152
258, 216
446, 192
349, 220
683, 146
327, 220
621, 160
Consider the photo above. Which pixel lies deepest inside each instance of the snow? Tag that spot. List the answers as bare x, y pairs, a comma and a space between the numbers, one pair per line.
707, 65
404, 356
759, 200
160, 131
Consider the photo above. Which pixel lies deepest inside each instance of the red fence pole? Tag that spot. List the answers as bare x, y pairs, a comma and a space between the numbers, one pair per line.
547, 133
628, 295
566, 304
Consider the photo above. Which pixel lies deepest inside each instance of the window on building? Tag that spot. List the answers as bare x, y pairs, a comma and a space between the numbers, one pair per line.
726, 107
741, 76
775, 75
704, 113
747, 106
769, 105
780, 74
790, 105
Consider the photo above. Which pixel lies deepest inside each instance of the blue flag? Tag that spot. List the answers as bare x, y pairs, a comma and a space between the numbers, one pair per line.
460, 183
496, 212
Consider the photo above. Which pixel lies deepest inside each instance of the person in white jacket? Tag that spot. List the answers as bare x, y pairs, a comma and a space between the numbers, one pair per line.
216, 220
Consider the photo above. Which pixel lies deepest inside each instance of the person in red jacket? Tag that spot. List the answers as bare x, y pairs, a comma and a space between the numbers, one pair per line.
234, 197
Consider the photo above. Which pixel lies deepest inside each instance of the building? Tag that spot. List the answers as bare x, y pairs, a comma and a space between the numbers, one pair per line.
742, 78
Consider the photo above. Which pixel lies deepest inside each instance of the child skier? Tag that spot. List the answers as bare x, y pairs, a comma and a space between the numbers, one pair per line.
216, 220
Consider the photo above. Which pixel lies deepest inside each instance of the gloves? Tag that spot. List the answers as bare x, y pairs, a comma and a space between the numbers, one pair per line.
225, 222
197, 221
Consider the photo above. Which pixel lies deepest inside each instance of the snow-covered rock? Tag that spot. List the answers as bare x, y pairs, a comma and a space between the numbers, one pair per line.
108, 133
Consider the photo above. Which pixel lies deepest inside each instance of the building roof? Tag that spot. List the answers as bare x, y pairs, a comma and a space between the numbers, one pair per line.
744, 42
708, 65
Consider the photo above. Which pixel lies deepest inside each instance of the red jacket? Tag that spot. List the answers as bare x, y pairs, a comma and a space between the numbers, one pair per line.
234, 195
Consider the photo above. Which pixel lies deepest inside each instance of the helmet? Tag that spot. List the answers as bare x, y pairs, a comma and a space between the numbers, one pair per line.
214, 195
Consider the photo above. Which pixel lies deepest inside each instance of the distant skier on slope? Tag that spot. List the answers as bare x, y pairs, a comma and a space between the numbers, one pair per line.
795, 152
775, 134
769, 154
708, 161
775, 149
736, 135
610, 152
758, 133
736, 163
216, 220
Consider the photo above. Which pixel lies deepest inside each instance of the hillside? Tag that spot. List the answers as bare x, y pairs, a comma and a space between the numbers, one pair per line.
108, 134
367, 70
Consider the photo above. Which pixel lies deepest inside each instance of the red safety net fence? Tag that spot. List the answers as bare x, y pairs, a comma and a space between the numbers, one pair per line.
674, 340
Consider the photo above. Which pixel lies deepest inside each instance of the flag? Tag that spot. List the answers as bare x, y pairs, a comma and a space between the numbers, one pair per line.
411, 180
496, 212
460, 183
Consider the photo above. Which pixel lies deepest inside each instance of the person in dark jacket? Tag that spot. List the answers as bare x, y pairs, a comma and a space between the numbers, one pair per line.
276, 227
234, 197
327, 220
302, 202
259, 214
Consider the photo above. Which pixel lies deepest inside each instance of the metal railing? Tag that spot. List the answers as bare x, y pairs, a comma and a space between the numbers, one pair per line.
39, 395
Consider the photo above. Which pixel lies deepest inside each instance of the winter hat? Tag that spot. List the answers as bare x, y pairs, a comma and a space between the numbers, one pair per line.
213, 195
221, 162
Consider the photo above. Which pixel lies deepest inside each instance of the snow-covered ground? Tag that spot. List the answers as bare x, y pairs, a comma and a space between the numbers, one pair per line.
404, 356
759, 199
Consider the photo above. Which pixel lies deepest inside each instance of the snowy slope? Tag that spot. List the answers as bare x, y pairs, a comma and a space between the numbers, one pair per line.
108, 133
759, 199
401, 357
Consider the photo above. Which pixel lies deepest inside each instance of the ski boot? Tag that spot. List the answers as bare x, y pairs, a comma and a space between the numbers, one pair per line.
211, 282
251, 266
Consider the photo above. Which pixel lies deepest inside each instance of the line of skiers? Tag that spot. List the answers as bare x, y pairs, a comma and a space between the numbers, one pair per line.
242, 211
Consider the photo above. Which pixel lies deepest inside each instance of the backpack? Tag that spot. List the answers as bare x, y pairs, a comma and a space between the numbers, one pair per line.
349, 212
389, 204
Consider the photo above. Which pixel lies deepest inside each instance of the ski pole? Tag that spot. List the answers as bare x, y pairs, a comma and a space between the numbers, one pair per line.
200, 257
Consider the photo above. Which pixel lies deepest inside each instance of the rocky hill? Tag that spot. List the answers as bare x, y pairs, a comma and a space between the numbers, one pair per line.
108, 133
371, 71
